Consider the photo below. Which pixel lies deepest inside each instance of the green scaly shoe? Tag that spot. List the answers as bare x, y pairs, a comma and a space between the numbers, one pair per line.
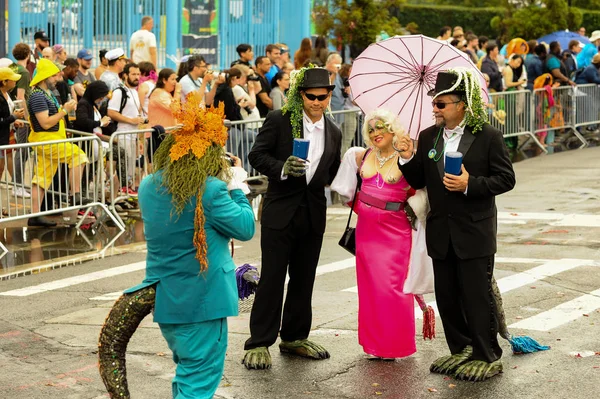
449, 364
257, 359
304, 348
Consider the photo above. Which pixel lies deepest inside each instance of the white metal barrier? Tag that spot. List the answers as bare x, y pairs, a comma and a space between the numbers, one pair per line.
587, 105
510, 112
129, 161
557, 111
54, 179
128, 154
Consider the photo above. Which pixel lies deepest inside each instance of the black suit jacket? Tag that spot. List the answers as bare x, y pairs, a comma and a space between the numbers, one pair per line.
469, 221
272, 147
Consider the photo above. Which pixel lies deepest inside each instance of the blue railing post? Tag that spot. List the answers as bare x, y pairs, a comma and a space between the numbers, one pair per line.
14, 25
305, 17
294, 23
223, 10
277, 37
251, 33
58, 23
128, 16
88, 24
172, 9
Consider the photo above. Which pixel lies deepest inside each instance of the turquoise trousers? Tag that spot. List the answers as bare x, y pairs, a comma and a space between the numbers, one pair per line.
199, 353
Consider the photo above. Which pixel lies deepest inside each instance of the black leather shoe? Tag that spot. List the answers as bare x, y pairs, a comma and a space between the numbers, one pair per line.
40, 221
77, 199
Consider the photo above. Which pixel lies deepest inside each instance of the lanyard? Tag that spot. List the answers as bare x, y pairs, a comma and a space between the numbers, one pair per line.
137, 105
49, 96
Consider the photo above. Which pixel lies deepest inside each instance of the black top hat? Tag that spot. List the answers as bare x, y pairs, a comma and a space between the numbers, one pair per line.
316, 78
444, 81
41, 35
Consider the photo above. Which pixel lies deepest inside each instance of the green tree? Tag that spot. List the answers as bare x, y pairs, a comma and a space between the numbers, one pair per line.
533, 21
586, 4
356, 22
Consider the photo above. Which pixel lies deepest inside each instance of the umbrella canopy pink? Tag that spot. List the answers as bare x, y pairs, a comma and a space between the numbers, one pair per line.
397, 73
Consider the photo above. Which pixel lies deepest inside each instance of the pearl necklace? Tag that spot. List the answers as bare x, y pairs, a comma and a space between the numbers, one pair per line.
382, 160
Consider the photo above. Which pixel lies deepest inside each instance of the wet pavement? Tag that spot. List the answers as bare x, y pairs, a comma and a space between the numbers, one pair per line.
547, 267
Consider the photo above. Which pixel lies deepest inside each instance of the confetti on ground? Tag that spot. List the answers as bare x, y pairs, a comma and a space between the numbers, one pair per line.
432, 389
582, 354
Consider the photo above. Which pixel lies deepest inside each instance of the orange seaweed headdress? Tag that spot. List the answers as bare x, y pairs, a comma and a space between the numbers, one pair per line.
191, 154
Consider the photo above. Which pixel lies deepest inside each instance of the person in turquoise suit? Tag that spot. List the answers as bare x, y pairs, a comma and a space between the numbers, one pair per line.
191, 207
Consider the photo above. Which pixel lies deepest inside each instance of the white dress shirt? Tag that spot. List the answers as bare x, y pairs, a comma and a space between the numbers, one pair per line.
452, 139
315, 133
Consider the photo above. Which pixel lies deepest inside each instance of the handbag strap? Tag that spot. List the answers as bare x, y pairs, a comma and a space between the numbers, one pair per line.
358, 180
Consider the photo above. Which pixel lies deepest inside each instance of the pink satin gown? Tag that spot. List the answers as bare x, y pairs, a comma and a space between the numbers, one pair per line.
386, 319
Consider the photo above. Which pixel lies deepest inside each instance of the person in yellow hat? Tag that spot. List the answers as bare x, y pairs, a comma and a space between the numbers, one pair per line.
47, 124
8, 114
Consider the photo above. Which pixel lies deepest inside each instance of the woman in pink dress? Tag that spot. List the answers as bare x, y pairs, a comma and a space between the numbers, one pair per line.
386, 320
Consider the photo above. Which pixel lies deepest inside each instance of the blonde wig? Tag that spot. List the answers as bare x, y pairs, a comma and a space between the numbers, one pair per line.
391, 121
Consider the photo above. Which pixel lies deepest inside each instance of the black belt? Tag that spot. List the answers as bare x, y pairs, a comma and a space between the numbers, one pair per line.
379, 203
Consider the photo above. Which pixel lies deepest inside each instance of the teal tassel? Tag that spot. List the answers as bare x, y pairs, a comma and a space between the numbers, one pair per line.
521, 345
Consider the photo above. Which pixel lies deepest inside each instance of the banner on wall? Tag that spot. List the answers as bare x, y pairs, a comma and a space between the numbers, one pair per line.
200, 29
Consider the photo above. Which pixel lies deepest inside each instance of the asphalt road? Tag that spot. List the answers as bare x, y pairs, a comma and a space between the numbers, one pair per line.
547, 266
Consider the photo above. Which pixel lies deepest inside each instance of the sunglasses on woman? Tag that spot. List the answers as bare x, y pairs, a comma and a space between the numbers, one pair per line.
442, 105
313, 97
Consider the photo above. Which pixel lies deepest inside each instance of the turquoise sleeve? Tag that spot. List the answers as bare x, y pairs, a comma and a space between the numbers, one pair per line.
231, 214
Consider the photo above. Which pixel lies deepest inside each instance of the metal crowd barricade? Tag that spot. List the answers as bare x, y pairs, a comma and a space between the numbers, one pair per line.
556, 113
241, 139
129, 161
350, 123
60, 185
512, 115
587, 99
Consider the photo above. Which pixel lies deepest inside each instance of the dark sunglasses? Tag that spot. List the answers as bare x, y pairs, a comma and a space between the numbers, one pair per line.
442, 105
313, 97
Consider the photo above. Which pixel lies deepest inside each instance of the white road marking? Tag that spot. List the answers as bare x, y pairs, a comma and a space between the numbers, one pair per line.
530, 215
553, 218
503, 259
499, 259
561, 314
84, 278
502, 221
528, 277
111, 296
522, 279
321, 270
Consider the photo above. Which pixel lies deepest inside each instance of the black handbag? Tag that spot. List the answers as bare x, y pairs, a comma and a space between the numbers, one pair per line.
348, 240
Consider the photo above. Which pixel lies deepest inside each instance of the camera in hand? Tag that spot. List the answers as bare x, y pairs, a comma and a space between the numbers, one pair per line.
229, 159
253, 78
346, 84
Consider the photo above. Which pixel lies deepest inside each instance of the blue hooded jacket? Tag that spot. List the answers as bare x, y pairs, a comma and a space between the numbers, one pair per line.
584, 58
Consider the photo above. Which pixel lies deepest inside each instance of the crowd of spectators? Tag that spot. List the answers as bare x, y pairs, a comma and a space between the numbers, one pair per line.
127, 92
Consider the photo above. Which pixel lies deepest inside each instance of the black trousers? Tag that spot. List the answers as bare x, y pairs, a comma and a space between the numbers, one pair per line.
298, 247
466, 304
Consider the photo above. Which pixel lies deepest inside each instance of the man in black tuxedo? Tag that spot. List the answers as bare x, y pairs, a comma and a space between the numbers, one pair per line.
461, 226
293, 218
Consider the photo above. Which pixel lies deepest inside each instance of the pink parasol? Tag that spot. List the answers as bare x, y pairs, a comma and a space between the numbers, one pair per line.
397, 73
